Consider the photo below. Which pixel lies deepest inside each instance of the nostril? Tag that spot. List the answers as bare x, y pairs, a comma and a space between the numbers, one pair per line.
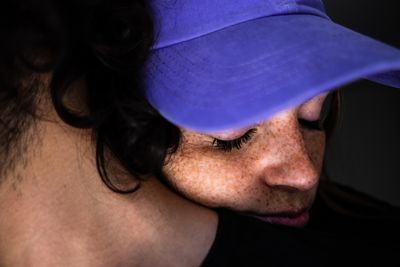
286, 188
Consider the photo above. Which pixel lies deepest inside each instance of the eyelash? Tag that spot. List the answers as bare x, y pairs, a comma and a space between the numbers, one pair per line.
229, 145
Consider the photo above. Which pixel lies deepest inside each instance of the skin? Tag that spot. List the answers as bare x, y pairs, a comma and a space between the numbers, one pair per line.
275, 172
55, 211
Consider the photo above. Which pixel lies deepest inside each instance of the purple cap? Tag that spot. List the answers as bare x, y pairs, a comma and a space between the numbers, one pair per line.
225, 64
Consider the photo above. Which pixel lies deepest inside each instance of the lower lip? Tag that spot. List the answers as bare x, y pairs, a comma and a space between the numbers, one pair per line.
299, 221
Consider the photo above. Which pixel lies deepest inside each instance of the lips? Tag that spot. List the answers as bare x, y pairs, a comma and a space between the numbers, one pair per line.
292, 219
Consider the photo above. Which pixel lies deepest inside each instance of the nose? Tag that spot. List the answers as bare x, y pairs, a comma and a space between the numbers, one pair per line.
288, 165
295, 173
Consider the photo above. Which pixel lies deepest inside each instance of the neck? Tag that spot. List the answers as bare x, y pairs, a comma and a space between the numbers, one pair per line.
56, 211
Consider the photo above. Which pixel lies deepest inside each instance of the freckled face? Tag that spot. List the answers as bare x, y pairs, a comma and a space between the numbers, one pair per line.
274, 168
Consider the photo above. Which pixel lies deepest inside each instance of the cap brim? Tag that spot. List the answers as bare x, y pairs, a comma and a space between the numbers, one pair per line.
246, 73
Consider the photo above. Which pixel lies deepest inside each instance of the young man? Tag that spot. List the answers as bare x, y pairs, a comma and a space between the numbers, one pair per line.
62, 65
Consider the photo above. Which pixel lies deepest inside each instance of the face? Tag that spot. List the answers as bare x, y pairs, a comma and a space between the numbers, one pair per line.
269, 170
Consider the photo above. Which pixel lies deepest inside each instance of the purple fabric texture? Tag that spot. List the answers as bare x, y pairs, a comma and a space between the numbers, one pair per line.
224, 64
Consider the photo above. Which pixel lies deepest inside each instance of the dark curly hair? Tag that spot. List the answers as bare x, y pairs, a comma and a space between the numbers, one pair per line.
104, 42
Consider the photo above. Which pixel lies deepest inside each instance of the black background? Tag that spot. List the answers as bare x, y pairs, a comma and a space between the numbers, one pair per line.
365, 151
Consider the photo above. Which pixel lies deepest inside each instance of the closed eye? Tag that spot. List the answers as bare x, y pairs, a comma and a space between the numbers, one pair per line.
317, 125
229, 145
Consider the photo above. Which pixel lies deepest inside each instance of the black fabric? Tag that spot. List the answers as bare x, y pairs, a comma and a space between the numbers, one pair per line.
347, 228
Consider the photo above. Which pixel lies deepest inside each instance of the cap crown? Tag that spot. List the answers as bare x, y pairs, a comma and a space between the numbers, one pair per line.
177, 21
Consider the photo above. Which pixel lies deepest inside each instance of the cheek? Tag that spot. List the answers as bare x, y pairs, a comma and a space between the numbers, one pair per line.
315, 145
207, 178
